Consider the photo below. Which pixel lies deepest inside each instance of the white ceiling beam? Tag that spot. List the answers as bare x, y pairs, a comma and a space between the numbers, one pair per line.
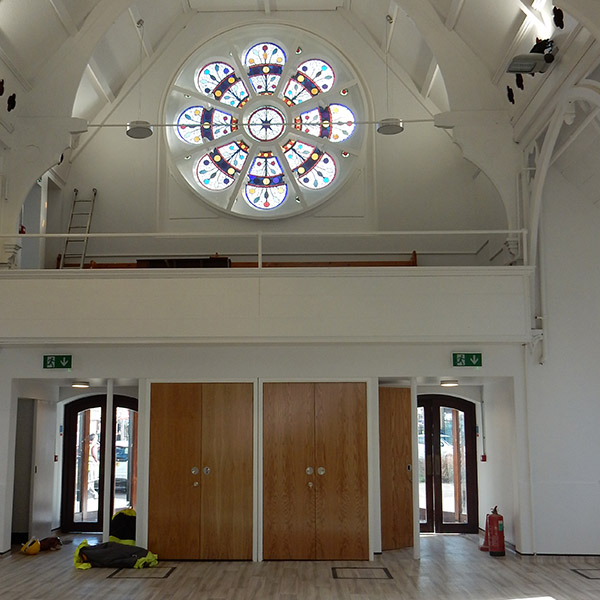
429, 78
100, 82
403, 77
12, 63
64, 16
454, 14
136, 17
533, 15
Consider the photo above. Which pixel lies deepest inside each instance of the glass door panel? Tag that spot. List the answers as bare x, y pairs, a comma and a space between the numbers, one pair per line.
425, 515
125, 459
447, 464
86, 492
453, 465
84, 460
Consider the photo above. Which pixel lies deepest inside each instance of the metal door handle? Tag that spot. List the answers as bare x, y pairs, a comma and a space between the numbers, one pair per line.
195, 470
206, 470
321, 471
309, 470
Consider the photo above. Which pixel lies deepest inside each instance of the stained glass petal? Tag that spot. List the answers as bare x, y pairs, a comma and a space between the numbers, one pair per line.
265, 62
218, 80
216, 170
196, 124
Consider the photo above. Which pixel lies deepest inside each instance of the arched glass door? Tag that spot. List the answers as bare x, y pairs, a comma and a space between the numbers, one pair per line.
85, 461
447, 464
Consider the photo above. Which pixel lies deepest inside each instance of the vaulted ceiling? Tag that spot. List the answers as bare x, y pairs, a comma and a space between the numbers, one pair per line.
447, 56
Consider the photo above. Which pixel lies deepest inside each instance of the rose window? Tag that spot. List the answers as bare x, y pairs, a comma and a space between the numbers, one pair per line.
265, 131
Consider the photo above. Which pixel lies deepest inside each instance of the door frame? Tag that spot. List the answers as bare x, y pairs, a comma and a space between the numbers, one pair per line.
435, 523
71, 410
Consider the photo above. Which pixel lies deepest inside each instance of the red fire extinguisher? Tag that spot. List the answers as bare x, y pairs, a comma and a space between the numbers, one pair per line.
496, 533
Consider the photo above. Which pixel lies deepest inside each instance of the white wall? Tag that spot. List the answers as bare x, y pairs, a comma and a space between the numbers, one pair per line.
563, 394
210, 362
217, 305
138, 191
498, 474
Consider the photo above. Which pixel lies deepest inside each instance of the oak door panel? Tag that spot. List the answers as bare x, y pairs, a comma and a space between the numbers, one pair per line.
175, 447
342, 519
288, 497
227, 444
395, 441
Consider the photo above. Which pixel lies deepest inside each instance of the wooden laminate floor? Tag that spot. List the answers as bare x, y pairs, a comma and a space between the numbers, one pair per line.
451, 568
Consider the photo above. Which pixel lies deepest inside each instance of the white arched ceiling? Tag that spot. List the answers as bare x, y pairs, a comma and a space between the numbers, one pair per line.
458, 48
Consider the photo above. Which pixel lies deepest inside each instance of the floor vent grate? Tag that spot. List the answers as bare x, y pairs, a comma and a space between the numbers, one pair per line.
149, 573
588, 573
360, 573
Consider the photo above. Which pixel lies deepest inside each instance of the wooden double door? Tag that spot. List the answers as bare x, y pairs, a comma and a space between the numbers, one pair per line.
201, 471
315, 491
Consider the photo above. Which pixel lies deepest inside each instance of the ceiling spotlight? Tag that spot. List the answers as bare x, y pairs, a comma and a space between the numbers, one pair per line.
80, 384
139, 130
449, 382
390, 126
539, 58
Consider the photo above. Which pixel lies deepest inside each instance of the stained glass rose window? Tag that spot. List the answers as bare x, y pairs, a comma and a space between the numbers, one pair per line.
265, 131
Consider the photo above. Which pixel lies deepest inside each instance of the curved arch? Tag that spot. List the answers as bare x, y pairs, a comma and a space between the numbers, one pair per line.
450, 455
588, 91
84, 459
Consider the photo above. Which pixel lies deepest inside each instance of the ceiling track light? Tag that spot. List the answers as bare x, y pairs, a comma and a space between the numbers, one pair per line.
449, 382
139, 130
80, 384
390, 126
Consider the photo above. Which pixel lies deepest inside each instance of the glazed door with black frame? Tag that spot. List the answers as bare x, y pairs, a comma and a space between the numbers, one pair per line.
85, 460
447, 439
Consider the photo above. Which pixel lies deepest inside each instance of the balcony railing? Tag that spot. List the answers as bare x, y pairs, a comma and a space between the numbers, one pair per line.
266, 249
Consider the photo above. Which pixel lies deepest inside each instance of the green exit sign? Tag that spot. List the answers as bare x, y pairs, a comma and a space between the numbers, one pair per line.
467, 359
58, 361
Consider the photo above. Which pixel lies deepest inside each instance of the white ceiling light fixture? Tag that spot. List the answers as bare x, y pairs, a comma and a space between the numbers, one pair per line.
449, 382
139, 129
389, 125
80, 384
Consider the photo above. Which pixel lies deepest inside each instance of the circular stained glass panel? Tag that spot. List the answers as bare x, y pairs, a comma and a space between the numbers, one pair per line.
266, 124
264, 127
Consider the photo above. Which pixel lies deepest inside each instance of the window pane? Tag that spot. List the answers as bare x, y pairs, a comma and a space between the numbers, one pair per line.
87, 465
454, 475
421, 466
125, 464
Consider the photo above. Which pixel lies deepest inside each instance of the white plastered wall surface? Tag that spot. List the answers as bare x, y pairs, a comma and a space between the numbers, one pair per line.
354, 209
334, 362
541, 392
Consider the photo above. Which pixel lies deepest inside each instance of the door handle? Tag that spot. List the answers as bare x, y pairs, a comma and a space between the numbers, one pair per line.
206, 470
309, 470
321, 471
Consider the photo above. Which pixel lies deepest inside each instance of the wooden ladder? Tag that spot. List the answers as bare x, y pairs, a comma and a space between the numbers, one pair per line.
82, 209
